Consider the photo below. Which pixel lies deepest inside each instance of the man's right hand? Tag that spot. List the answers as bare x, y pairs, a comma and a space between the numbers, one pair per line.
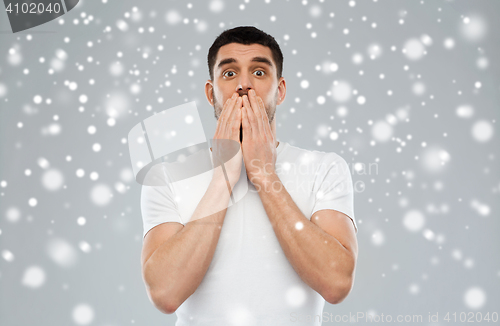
226, 147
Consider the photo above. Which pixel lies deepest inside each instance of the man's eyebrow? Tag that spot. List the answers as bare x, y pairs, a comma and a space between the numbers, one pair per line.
263, 60
255, 59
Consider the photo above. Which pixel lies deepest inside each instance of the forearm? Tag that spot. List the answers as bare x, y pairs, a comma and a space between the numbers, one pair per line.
319, 259
177, 267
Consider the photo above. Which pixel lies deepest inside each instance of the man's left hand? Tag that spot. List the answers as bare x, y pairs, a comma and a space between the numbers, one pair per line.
258, 146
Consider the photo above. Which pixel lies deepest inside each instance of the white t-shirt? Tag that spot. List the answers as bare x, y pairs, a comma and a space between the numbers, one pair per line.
250, 281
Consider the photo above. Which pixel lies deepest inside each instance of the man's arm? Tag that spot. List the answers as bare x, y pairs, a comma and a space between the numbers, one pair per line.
325, 259
176, 268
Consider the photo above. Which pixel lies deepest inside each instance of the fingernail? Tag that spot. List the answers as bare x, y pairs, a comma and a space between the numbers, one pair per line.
252, 92
234, 95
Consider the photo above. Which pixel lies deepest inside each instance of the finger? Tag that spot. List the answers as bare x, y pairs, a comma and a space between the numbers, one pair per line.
237, 124
221, 115
256, 109
226, 124
227, 108
265, 118
251, 117
256, 105
234, 122
247, 128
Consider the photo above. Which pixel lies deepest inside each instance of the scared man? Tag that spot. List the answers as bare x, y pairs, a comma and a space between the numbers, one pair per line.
275, 256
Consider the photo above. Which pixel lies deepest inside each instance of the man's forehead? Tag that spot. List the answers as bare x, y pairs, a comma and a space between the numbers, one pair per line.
243, 52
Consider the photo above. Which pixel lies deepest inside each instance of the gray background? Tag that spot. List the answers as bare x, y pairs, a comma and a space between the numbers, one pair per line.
54, 271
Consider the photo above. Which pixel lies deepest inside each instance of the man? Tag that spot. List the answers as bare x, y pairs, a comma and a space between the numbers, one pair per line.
274, 256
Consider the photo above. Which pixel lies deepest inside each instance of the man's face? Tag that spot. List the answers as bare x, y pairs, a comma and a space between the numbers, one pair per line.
244, 73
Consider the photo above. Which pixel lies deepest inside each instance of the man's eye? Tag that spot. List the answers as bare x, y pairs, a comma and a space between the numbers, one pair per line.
227, 73
261, 72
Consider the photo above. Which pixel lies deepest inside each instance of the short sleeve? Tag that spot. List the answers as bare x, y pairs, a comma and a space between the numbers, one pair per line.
334, 188
157, 207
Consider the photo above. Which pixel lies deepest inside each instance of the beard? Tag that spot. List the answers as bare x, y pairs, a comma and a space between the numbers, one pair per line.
270, 108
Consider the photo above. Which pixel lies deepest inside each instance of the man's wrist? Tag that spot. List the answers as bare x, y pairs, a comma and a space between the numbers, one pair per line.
265, 181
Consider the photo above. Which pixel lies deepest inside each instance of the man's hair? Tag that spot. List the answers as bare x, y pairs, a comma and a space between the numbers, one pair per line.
245, 35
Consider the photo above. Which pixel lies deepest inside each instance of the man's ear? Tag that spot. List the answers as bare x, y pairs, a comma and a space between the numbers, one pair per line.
209, 92
281, 90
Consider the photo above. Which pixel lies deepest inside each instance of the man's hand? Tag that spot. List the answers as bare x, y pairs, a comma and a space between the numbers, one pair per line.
226, 143
259, 148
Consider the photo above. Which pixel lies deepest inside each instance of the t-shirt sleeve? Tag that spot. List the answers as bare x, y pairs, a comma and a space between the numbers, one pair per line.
158, 206
334, 188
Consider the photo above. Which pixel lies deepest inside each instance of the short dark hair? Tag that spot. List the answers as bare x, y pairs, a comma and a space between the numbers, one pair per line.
245, 35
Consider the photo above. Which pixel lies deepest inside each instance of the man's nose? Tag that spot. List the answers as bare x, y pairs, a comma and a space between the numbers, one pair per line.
244, 85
